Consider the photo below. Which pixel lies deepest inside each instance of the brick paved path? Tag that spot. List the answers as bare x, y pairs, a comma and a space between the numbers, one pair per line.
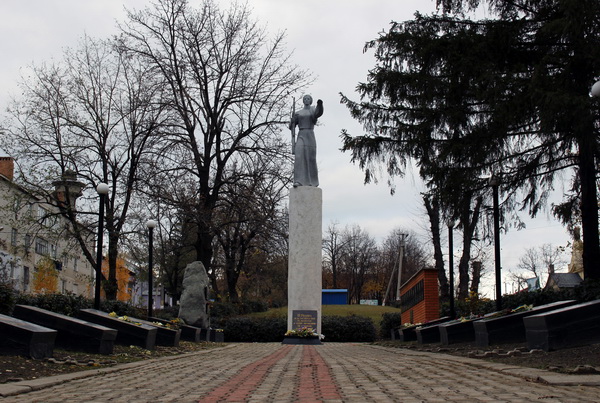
333, 372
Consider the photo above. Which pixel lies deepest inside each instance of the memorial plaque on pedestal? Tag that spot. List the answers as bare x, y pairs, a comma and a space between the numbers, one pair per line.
304, 318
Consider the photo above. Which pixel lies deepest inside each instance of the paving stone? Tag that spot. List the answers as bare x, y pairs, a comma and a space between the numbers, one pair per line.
332, 372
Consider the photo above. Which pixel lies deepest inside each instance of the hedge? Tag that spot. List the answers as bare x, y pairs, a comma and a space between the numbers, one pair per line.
245, 329
335, 328
7, 298
389, 321
348, 328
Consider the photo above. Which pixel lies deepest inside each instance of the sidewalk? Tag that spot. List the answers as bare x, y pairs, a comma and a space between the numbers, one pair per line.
332, 372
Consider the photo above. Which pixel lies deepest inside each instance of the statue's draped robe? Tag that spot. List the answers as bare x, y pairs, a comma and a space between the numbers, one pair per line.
305, 162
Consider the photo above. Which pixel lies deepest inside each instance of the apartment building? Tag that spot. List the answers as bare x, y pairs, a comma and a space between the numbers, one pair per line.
36, 254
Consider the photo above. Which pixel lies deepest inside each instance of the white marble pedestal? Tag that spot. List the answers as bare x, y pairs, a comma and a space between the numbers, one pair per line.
304, 266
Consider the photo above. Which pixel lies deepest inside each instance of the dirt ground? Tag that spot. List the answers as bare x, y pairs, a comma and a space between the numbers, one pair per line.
13, 368
576, 360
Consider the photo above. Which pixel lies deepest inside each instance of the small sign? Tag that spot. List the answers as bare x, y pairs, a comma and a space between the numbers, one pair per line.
302, 319
369, 302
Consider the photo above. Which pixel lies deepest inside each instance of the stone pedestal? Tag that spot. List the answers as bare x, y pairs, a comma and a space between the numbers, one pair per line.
304, 266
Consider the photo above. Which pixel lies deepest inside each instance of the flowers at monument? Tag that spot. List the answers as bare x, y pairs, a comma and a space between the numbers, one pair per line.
124, 318
522, 308
304, 332
173, 324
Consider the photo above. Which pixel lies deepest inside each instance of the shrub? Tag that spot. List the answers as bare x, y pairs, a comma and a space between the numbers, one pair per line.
7, 298
535, 298
247, 307
67, 304
122, 309
245, 329
70, 304
473, 305
348, 328
271, 329
167, 313
389, 321
588, 290
220, 312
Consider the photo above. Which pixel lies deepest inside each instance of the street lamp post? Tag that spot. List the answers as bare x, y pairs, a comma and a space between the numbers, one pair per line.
451, 267
102, 190
587, 144
596, 89
494, 183
151, 224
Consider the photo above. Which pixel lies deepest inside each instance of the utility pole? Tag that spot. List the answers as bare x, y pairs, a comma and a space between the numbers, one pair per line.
400, 259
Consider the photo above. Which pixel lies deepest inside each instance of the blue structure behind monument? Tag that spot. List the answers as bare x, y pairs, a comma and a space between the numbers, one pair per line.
338, 296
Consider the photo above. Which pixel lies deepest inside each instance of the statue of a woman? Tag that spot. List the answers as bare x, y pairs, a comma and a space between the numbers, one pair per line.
305, 148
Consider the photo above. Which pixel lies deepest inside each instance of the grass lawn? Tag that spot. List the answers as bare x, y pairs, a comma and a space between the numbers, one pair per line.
374, 312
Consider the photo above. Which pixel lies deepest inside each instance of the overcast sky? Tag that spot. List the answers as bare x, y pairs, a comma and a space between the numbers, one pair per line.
327, 37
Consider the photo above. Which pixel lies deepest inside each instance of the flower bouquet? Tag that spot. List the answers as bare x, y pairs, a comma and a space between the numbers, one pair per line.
303, 335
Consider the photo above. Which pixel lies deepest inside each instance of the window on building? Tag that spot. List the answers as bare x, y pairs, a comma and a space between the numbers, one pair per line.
16, 207
53, 251
75, 261
27, 242
63, 286
45, 218
55, 222
13, 237
25, 277
41, 246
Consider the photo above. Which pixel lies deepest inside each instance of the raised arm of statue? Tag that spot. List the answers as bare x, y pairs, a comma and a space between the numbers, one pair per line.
319, 110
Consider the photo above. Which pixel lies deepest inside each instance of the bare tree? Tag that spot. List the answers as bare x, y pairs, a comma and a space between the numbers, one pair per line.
333, 248
359, 259
432, 206
538, 262
247, 215
228, 85
469, 219
95, 113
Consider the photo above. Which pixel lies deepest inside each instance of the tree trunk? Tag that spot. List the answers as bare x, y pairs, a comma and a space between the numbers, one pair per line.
476, 277
111, 285
433, 211
589, 207
334, 271
469, 224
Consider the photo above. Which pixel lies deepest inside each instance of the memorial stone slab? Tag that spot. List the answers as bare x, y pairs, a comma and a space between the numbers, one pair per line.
128, 333
571, 326
510, 328
189, 333
72, 333
27, 338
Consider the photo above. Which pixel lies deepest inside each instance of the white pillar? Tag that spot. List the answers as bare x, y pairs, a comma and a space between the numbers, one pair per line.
304, 266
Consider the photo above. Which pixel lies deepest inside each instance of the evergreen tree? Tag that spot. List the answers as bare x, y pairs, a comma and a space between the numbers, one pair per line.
508, 96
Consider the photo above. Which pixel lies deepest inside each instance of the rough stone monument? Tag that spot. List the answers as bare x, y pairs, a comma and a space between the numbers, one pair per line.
193, 306
305, 224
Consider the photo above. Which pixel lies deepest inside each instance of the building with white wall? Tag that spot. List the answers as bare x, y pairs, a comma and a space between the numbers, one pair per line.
32, 233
